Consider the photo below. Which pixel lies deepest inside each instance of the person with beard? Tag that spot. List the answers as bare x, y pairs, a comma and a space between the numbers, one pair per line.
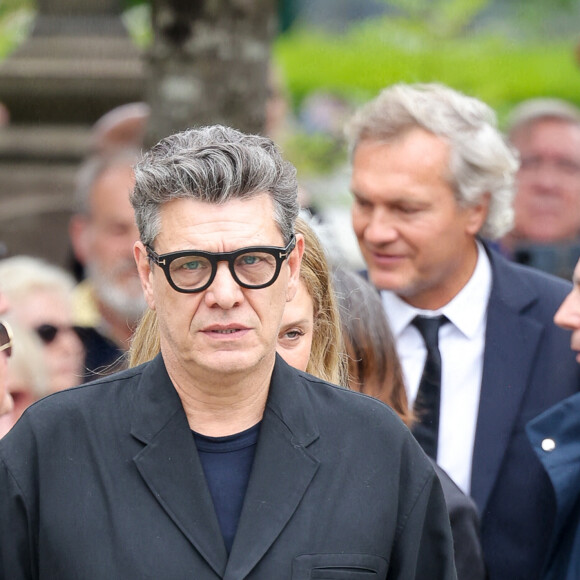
109, 301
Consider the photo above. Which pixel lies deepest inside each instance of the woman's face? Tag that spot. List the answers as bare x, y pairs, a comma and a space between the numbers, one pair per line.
296, 329
64, 352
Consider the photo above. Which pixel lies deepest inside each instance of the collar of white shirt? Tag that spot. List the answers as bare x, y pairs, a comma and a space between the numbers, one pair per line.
466, 311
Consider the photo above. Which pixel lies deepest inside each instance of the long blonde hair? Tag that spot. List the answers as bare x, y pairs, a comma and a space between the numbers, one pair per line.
327, 356
145, 343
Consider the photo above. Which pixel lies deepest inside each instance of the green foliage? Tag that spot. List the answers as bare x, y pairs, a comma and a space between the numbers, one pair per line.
137, 19
16, 18
430, 41
494, 68
313, 153
436, 18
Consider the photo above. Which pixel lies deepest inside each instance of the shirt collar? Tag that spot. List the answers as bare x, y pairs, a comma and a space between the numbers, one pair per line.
466, 311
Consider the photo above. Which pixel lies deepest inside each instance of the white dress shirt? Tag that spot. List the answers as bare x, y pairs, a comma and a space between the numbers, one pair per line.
461, 343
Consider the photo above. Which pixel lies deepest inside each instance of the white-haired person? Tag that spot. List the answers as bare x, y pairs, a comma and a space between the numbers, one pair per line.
40, 297
432, 179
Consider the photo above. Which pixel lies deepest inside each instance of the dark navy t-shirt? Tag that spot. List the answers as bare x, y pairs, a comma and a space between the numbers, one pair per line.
227, 462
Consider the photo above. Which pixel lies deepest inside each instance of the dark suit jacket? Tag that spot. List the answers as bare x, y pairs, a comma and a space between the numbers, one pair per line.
528, 367
561, 424
104, 482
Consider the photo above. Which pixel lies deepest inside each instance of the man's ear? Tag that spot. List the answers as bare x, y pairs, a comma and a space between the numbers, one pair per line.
78, 231
477, 215
294, 261
145, 274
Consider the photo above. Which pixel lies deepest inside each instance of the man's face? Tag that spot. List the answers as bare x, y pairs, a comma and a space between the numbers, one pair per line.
568, 315
104, 242
225, 329
416, 240
547, 203
5, 398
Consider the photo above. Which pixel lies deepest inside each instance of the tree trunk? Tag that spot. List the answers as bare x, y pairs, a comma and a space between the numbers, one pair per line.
209, 64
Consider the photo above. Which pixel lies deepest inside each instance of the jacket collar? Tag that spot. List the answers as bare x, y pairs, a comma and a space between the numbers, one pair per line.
283, 467
511, 344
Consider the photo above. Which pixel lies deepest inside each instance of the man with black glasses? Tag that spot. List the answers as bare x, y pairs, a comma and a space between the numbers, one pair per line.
216, 459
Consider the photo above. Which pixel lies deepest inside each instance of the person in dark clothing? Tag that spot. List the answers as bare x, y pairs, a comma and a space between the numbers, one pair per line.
217, 459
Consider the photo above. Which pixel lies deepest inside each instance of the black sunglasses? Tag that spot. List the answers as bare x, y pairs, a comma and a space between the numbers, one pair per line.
5, 338
192, 271
49, 332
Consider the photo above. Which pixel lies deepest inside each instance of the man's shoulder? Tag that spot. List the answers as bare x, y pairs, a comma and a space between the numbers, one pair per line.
543, 281
342, 404
90, 402
523, 284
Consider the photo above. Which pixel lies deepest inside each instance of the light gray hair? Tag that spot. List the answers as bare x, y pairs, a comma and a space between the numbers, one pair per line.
481, 162
22, 275
93, 167
531, 111
215, 165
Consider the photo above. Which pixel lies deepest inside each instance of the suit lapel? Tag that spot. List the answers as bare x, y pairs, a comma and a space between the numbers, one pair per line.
282, 472
511, 345
170, 466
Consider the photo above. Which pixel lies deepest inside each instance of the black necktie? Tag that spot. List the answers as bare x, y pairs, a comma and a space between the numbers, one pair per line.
427, 402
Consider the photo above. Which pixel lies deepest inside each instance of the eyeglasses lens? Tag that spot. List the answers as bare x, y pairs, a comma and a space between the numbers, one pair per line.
47, 332
5, 338
255, 268
251, 268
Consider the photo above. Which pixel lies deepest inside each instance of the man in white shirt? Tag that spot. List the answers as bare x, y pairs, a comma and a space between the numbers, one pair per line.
432, 177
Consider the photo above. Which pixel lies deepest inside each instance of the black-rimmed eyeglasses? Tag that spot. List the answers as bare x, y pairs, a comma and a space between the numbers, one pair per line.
5, 338
192, 271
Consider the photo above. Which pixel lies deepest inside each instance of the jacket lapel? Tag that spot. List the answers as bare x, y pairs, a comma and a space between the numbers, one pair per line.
511, 345
170, 466
282, 471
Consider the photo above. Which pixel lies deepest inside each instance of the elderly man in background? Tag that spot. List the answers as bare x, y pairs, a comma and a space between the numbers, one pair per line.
109, 301
432, 177
546, 233
216, 459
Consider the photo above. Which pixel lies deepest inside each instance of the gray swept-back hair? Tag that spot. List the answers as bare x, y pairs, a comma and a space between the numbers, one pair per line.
481, 162
213, 164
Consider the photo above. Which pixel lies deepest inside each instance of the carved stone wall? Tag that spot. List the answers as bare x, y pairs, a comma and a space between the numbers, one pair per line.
77, 64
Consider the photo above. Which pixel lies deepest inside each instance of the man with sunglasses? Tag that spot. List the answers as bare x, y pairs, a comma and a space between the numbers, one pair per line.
217, 459
5, 351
